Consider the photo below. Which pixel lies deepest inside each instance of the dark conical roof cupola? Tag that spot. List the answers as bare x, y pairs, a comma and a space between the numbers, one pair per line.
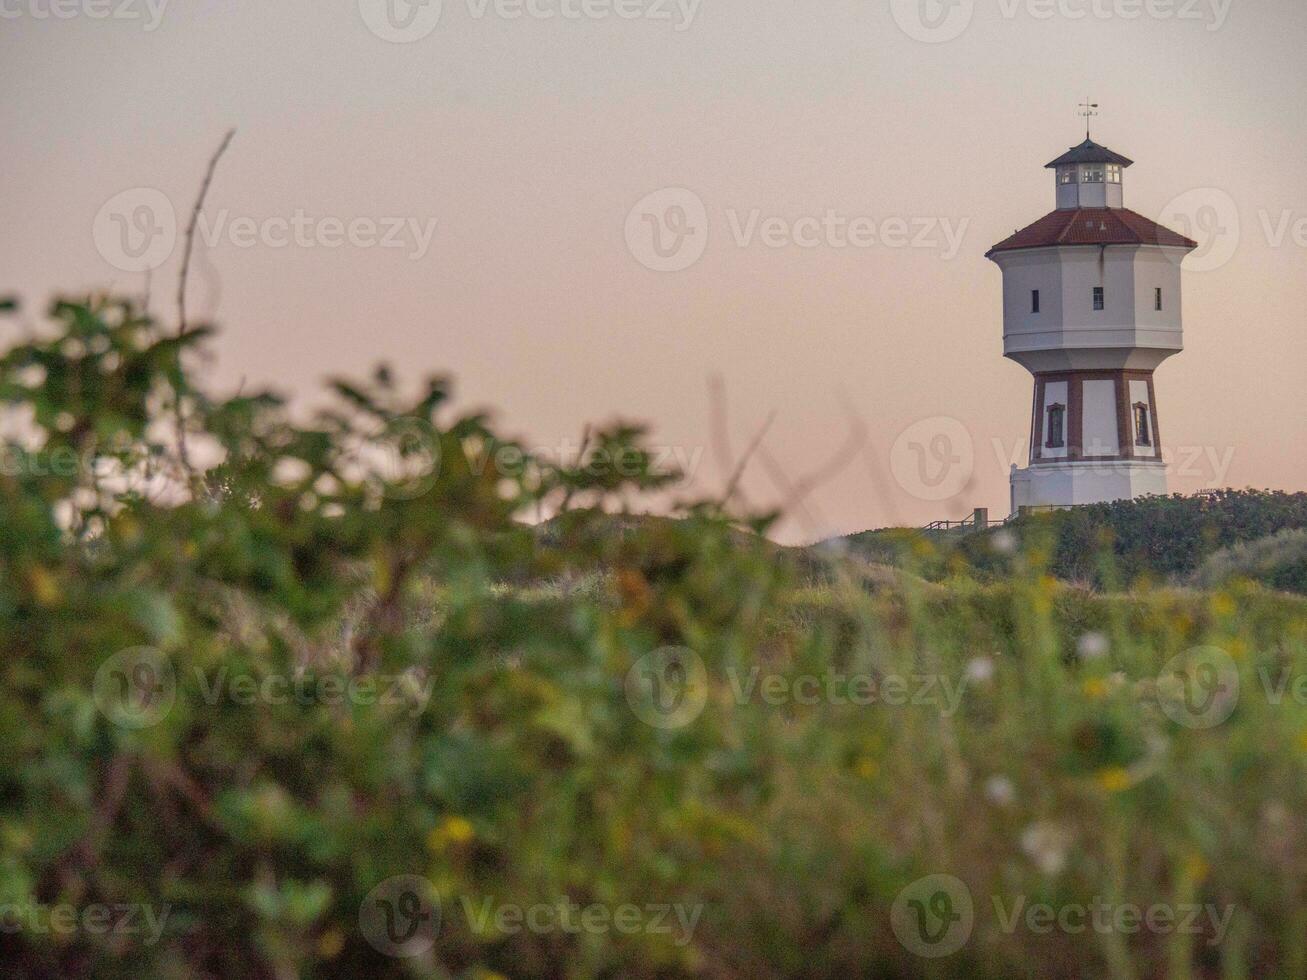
1090, 152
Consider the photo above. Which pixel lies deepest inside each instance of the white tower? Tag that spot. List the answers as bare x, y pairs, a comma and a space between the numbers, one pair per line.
1091, 306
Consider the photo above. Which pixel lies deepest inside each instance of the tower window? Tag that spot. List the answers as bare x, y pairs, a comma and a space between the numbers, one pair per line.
1034, 301
1098, 297
1114, 173
1143, 431
1092, 174
1157, 299
1066, 175
1056, 427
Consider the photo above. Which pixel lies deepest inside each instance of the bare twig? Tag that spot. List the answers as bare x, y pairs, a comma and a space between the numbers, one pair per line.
874, 464
803, 511
734, 483
717, 422
838, 461
182, 326
190, 230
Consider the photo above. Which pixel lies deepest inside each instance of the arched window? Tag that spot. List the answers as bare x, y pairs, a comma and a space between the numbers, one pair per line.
1143, 430
1056, 427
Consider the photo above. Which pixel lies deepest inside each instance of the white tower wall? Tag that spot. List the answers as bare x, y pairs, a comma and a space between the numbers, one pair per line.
1068, 333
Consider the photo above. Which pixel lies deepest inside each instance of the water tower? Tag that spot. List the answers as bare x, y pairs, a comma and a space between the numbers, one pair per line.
1091, 307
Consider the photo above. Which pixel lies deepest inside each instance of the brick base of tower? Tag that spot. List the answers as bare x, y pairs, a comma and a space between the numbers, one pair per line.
1072, 483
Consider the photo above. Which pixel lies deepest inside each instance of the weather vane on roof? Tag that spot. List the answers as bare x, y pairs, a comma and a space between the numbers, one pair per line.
1088, 110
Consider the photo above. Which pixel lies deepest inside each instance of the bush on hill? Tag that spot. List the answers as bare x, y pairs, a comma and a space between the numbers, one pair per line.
314, 700
1278, 561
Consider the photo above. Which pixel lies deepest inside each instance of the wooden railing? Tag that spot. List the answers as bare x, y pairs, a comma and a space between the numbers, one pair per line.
978, 521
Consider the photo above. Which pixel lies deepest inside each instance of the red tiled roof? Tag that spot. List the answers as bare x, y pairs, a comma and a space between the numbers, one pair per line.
1092, 226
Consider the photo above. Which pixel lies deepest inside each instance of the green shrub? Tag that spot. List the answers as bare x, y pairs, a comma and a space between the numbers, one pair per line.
1278, 561
275, 692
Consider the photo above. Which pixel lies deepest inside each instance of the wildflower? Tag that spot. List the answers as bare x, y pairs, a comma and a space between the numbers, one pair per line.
1000, 791
1114, 779
980, 669
1223, 605
452, 830
1095, 687
1004, 542
1046, 844
330, 943
45, 587
1196, 867
1092, 646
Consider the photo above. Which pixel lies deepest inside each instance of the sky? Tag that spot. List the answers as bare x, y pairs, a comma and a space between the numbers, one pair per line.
586, 210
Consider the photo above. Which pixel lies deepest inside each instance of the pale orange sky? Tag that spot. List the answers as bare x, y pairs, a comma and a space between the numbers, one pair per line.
529, 141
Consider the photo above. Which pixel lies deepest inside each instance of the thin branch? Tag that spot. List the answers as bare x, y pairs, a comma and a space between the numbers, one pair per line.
804, 512
855, 440
733, 484
182, 454
190, 230
717, 423
871, 459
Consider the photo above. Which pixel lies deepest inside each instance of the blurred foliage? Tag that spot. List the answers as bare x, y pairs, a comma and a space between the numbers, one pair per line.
1158, 539
1278, 561
388, 541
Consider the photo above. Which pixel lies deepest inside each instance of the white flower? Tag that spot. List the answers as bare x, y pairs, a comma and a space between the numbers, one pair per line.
980, 669
1004, 542
1092, 646
1000, 790
1046, 844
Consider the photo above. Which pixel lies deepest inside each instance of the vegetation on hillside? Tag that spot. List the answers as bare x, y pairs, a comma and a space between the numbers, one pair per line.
1278, 561
316, 700
1106, 546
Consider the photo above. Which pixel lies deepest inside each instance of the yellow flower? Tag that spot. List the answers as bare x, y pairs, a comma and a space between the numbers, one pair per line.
867, 768
1302, 741
330, 943
1195, 867
45, 587
1223, 605
452, 830
1114, 779
1095, 687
